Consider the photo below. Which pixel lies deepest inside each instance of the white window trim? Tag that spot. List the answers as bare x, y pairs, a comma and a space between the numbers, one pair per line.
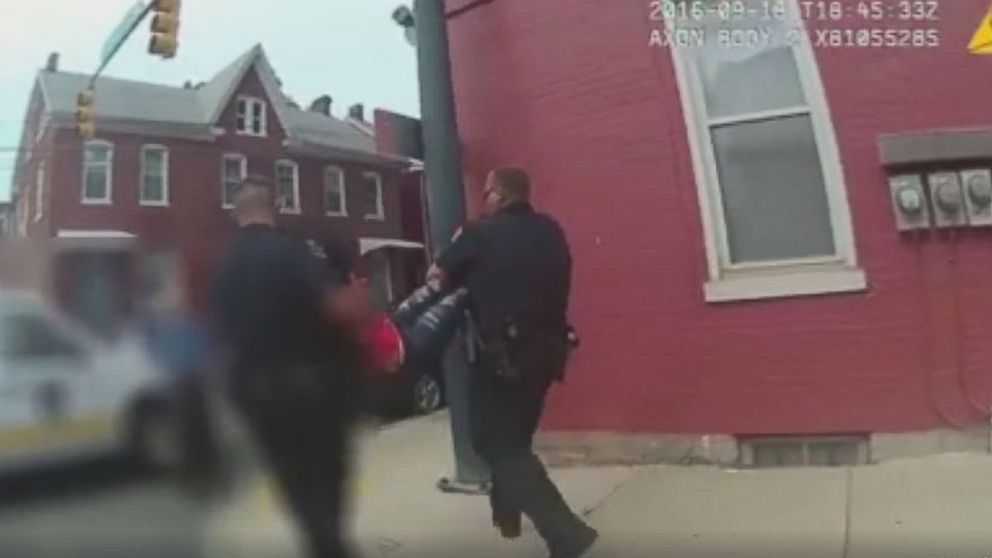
772, 279
108, 199
22, 221
39, 194
389, 278
298, 203
164, 202
250, 103
342, 194
380, 214
223, 175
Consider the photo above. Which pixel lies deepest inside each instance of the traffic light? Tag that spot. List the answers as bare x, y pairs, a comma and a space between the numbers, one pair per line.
165, 28
85, 126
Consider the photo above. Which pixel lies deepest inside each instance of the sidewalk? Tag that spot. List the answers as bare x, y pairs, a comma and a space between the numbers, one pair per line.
938, 507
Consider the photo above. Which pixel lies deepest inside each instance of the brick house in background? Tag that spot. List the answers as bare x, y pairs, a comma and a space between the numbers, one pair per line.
742, 287
165, 163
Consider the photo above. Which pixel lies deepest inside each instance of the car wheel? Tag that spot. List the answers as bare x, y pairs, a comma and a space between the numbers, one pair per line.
156, 441
428, 396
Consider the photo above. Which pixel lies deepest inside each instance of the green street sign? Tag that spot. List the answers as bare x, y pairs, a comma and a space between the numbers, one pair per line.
123, 31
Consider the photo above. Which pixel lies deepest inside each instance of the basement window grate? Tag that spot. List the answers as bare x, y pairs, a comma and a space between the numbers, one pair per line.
804, 451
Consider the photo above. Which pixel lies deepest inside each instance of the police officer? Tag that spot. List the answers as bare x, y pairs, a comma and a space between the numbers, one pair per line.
516, 265
289, 320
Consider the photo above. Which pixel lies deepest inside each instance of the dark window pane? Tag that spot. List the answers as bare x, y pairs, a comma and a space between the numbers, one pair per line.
233, 170
152, 188
371, 193
333, 192
96, 182
286, 182
749, 79
774, 194
153, 179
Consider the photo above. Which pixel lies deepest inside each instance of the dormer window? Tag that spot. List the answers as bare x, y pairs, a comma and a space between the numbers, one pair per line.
251, 116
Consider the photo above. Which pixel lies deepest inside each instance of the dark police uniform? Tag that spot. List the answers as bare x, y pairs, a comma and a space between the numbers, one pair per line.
292, 378
517, 268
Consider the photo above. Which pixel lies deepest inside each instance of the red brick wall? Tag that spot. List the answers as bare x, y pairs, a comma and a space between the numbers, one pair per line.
573, 92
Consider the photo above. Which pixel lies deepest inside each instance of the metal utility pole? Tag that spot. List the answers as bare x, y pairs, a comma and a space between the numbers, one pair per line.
446, 209
442, 153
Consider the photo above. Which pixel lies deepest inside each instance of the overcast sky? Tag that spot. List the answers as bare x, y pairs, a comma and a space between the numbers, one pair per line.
350, 49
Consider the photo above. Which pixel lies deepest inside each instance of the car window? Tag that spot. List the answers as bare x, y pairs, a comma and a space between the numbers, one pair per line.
29, 336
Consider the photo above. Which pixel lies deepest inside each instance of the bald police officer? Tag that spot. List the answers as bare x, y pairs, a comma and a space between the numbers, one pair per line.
289, 319
517, 267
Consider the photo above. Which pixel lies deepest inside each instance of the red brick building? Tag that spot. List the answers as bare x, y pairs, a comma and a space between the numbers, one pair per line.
166, 160
739, 266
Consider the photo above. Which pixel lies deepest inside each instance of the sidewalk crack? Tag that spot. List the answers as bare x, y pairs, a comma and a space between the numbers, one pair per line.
588, 511
848, 505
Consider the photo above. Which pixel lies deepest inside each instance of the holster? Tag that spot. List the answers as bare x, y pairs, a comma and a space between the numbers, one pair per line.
527, 351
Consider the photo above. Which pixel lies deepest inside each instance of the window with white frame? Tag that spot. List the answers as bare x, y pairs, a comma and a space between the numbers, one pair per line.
767, 168
98, 173
154, 175
22, 216
251, 116
39, 190
234, 168
335, 198
372, 196
288, 186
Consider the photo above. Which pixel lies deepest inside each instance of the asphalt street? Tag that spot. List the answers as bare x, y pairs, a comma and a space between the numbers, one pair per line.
98, 510
106, 509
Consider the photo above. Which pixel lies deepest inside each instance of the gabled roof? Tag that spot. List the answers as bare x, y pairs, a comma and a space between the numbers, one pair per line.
215, 94
139, 107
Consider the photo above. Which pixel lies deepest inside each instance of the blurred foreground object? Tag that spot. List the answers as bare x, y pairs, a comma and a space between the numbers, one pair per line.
292, 371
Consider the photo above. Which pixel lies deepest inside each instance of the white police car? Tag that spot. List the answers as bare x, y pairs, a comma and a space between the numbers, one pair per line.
65, 394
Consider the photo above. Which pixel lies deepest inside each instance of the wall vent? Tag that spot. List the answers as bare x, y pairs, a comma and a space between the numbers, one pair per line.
804, 451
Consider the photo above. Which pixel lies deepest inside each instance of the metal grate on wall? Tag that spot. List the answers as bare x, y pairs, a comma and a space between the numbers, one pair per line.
804, 451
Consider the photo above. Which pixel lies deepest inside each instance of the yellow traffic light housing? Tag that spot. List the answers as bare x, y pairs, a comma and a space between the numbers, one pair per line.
85, 125
165, 28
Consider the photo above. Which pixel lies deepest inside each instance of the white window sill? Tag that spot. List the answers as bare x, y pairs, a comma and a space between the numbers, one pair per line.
290, 211
375, 218
333, 214
154, 203
786, 284
96, 202
227, 206
250, 134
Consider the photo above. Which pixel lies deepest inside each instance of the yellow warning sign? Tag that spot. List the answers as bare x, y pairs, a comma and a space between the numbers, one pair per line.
981, 43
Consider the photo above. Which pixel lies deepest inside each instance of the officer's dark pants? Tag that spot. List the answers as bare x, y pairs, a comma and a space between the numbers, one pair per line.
505, 416
197, 428
305, 443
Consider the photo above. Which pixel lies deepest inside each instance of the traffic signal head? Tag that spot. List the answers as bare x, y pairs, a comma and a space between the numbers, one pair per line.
165, 28
85, 126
